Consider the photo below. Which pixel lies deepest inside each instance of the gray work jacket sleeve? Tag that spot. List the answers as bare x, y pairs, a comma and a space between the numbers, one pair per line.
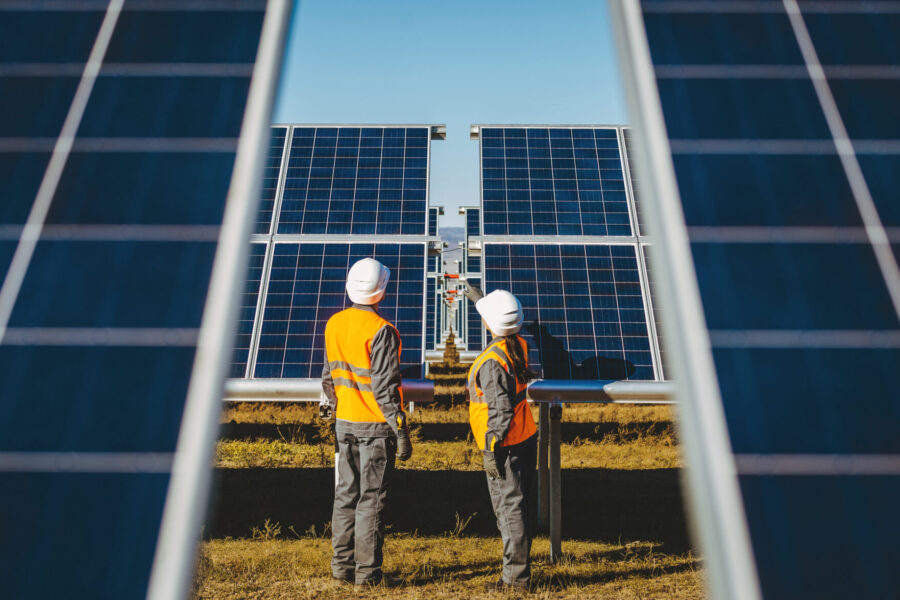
328, 384
386, 378
499, 389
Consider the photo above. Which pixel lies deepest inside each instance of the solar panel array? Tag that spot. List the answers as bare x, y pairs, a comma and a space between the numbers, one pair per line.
782, 124
431, 314
552, 181
583, 304
589, 319
474, 328
336, 180
356, 180
100, 317
473, 222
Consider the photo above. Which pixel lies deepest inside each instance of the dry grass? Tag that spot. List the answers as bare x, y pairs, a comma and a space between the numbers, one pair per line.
451, 455
449, 566
288, 413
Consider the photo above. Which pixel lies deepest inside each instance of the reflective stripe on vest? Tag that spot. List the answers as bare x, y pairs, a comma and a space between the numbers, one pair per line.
348, 347
522, 426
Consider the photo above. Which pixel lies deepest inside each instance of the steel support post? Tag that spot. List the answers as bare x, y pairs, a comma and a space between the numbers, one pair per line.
543, 468
555, 411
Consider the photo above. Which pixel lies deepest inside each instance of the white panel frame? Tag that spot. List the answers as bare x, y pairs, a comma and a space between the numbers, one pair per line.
188, 491
715, 500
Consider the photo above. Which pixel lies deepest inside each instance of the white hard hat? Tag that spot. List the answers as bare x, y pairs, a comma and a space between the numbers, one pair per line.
501, 311
367, 280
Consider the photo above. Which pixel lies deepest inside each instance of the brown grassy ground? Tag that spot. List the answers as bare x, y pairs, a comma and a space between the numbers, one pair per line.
623, 528
448, 566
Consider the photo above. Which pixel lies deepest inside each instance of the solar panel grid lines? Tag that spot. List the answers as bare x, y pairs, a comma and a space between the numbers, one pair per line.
377, 187
306, 287
240, 363
585, 318
552, 180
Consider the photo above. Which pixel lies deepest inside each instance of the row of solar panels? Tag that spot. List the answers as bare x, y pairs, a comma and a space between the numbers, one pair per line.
588, 313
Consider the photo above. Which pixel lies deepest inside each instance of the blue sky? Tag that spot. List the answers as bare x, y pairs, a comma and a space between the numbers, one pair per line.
455, 62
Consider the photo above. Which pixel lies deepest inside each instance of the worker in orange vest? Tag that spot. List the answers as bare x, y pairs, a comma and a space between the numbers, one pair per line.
361, 380
504, 428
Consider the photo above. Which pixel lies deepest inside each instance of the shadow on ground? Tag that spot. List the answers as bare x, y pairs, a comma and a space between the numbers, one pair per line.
598, 504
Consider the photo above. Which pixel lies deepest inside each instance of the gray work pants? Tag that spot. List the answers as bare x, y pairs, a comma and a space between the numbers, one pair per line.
365, 465
510, 499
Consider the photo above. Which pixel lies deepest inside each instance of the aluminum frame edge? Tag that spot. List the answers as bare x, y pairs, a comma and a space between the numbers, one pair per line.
714, 497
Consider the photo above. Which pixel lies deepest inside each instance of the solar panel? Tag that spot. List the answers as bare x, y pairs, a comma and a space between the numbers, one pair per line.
356, 180
306, 287
473, 264
271, 176
430, 313
473, 222
552, 181
782, 131
433, 221
118, 139
583, 304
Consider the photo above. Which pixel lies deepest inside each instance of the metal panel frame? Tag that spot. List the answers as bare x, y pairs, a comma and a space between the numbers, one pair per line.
715, 497
188, 490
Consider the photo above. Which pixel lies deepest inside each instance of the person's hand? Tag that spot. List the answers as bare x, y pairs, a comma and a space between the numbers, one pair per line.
326, 411
404, 444
490, 465
473, 293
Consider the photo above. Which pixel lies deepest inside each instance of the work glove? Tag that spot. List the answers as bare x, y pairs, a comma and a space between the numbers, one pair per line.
490, 465
473, 293
326, 410
404, 445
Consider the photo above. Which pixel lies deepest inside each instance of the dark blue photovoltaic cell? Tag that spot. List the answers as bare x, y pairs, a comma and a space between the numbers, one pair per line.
48, 36
193, 37
475, 330
7, 248
721, 39
306, 287
813, 535
855, 38
432, 221
115, 284
109, 539
556, 181
473, 222
140, 188
191, 107
827, 538
248, 310
792, 286
770, 190
434, 263
20, 178
742, 109
584, 310
271, 175
880, 171
370, 180
770, 391
35, 106
128, 399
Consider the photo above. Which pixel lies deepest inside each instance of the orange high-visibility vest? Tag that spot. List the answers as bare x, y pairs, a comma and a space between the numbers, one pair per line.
348, 348
522, 426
